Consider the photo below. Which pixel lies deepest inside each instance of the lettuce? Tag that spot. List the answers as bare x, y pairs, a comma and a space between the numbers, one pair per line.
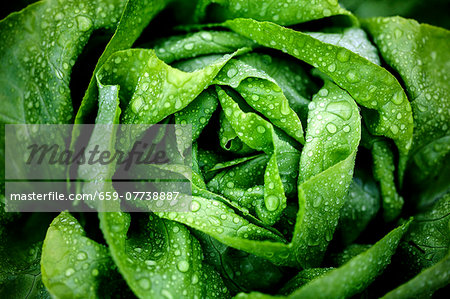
320, 148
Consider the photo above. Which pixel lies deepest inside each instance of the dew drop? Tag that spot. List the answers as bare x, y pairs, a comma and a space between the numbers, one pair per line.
83, 23
331, 128
206, 35
189, 46
260, 129
144, 283
195, 206
343, 55
398, 98
183, 266
352, 76
272, 202
81, 256
69, 272
394, 129
231, 72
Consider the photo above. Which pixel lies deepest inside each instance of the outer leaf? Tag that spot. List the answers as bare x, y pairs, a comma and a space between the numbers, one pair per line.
352, 277
420, 54
135, 17
302, 278
240, 270
425, 283
152, 83
35, 64
160, 259
370, 85
40, 45
428, 240
326, 169
20, 248
74, 266
283, 12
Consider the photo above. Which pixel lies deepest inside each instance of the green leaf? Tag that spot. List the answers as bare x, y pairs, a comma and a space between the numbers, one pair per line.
39, 48
291, 77
302, 278
97, 178
361, 206
216, 219
20, 248
370, 85
245, 125
197, 114
196, 44
135, 17
263, 94
353, 39
356, 274
428, 240
159, 258
425, 283
420, 54
74, 266
326, 170
152, 83
383, 169
284, 13
240, 270
228, 138
352, 277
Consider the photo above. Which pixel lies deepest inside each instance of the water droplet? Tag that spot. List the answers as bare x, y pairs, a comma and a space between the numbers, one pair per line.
331, 67
195, 206
343, 55
231, 72
341, 109
83, 23
138, 102
323, 92
144, 283
331, 128
183, 266
394, 129
272, 202
94, 272
352, 76
69, 272
206, 35
189, 46
346, 129
285, 109
398, 97
81, 256
317, 201
260, 129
